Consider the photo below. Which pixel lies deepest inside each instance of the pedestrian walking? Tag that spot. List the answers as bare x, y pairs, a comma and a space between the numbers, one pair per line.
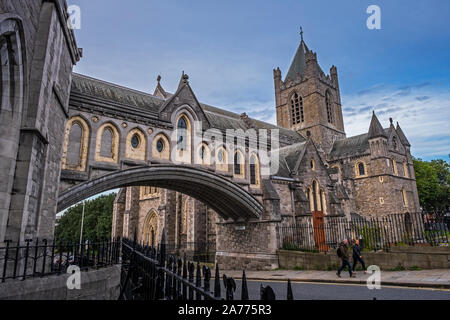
343, 254
357, 257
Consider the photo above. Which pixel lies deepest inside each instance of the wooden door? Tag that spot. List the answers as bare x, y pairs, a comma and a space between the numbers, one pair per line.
319, 231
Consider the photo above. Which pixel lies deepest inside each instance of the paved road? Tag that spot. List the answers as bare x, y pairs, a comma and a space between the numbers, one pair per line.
314, 291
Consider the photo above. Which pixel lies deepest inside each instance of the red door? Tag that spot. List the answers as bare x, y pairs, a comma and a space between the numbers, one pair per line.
319, 231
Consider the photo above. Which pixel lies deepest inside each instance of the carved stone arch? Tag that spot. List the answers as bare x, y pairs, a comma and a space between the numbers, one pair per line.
114, 147
73, 146
150, 228
161, 146
12, 66
136, 151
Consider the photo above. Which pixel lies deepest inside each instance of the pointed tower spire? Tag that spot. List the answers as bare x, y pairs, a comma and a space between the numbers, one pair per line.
402, 136
375, 130
298, 65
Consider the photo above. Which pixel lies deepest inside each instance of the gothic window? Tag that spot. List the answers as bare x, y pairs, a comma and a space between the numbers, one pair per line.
405, 198
254, 171
136, 145
405, 170
160, 147
297, 111
313, 165
328, 102
182, 134
74, 145
107, 143
360, 169
237, 163
394, 167
204, 154
221, 159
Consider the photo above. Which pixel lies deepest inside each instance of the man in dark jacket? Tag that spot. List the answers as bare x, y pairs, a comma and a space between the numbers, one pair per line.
357, 256
345, 259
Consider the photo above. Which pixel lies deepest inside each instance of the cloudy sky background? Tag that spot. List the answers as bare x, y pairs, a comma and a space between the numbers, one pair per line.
229, 49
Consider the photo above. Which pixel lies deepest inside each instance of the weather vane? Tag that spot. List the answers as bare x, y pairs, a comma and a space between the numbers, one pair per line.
301, 33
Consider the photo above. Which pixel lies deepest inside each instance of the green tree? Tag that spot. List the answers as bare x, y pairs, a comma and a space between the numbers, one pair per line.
97, 220
433, 183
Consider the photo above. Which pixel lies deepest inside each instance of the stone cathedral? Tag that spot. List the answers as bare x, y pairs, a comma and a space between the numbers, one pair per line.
65, 137
323, 173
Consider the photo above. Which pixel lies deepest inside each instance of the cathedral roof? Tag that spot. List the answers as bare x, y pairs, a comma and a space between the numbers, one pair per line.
288, 157
142, 101
402, 136
376, 129
298, 65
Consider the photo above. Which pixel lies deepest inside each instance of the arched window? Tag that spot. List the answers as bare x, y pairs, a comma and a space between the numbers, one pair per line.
76, 141
394, 167
405, 169
405, 197
106, 149
360, 169
136, 146
204, 154
150, 228
160, 147
182, 134
313, 165
107, 144
328, 102
297, 111
221, 159
239, 164
74, 145
254, 170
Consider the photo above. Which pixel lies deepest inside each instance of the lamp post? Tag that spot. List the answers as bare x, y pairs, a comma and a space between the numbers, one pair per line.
82, 224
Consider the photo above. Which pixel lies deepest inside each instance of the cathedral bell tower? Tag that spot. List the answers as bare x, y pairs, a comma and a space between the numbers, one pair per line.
308, 100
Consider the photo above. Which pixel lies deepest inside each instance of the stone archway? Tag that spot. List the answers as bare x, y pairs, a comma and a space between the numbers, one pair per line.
150, 228
225, 197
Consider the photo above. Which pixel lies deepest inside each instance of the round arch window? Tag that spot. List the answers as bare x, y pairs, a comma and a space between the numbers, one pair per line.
135, 141
220, 155
160, 145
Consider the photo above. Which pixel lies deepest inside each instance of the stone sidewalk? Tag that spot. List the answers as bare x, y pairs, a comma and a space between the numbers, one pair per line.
437, 278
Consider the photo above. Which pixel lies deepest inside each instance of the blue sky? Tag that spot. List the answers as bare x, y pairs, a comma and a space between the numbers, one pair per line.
229, 49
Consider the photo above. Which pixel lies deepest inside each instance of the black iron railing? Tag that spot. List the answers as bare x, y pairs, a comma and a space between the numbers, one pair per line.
413, 229
149, 273
39, 258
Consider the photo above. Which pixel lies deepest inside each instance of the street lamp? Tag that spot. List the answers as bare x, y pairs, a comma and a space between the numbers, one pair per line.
82, 224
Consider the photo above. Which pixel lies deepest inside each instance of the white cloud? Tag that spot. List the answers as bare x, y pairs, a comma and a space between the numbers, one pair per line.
421, 110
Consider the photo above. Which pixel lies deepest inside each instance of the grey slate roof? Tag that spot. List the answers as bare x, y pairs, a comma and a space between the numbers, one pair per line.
219, 118
351, 146
402, 136
288, 157
115, 93
375, 128
298, 64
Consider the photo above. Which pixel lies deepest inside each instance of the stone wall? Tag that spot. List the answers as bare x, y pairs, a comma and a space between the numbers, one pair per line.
249, 246
102, 284
403, 257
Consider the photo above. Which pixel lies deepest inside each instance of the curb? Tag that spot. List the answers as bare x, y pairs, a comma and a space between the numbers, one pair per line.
331, 281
